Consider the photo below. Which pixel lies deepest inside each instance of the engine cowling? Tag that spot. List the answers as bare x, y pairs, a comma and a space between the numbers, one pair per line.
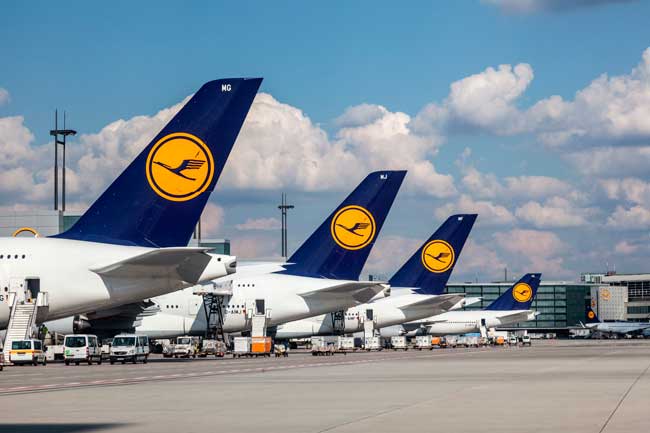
68, 325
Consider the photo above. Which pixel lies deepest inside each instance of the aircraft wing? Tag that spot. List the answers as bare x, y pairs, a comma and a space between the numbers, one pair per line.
519, 316
358, 291
182, 264
433, 304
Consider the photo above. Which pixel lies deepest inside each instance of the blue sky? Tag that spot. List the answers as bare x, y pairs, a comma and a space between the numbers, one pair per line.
105, 62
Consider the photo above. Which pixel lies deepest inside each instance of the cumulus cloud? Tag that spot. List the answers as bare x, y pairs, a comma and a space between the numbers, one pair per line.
389, 253
212, 220
629, 189
4, 97
625, 247
480, 260
489, 212
259, 224
632, 218
532, 6
555, 212
535, 251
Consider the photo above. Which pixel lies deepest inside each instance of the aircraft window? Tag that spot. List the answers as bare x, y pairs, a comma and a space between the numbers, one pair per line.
1, 256
8, 256
23, 256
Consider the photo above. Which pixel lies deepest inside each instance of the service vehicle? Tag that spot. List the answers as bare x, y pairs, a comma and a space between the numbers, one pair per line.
423, 342
525, 340
323, 346
80, 348
212, 347
373, 343
241, 347
345, 344
512, 341
28, 351
186, 347
129, 347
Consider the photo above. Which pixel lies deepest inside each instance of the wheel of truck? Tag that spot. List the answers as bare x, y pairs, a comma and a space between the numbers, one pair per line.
134, 360
194, 356
44, 362
123, 362
144, 361
112, 361
66, 362
90, 361
34, 362
77, 363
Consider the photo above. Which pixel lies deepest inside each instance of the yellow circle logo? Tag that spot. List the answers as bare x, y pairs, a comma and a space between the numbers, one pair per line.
605, 295
179, 167
522, 292
438, 256
591, 314
353, 227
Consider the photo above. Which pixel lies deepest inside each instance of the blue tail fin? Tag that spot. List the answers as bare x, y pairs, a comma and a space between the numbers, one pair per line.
338, 249
159, 197
519, 296
591, 316
428, 270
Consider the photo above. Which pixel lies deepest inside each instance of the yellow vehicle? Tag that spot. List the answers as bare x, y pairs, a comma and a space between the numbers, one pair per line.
29, 351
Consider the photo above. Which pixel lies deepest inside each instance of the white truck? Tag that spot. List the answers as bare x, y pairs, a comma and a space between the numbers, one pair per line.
398, 342
186, 347
323, 345
423, 342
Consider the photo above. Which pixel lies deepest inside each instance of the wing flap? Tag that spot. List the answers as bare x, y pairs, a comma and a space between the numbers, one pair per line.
182, 264
358, 291
434, 304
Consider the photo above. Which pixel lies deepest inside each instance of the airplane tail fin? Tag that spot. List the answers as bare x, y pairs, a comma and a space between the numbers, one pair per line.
591, 316
338, 249
429, 268
519, 296
159, 197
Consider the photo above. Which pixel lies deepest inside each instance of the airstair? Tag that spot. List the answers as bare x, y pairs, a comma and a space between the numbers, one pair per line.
24, 314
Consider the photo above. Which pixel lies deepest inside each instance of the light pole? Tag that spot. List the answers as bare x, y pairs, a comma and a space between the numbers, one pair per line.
60, 136
283, 209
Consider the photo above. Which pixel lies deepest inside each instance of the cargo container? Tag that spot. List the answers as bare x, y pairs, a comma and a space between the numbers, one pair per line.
323, 346
436, 342
242, 347
423, 342
261, 346
373, 343
398, 342
345, 344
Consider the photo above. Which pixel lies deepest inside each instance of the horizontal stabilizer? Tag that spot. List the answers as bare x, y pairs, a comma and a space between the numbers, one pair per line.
358, 291
181, 264
434, 304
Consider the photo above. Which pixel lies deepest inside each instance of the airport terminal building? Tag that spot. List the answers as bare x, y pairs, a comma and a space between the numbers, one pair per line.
561, 304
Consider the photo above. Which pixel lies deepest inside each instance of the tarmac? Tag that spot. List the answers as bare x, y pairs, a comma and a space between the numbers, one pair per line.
553, 386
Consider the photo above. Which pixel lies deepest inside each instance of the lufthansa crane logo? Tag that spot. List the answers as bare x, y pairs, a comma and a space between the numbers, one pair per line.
438, 256
591, 314
605, 295
522, 292
353, 227
179, 167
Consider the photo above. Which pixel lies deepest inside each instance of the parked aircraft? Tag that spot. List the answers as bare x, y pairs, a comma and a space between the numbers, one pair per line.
127, 246
416, 289
614, 328
513, 306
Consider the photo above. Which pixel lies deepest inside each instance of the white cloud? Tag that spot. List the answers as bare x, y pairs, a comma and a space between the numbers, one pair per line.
212, 220
535, 251
4, 97
478, 260
610, 161
626, 248
259, 224
555, 212
532, 6
489, 213
633, 218
630, 189
389, 253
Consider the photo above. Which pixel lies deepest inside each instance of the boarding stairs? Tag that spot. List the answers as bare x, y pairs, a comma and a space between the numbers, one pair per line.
22, 320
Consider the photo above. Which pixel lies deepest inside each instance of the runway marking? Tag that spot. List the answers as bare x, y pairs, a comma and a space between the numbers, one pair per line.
141, 379
620, 402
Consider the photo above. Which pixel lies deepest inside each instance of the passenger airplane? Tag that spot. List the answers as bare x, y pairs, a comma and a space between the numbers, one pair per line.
125, 247
611, 328
321, 276
416, 289
513, 306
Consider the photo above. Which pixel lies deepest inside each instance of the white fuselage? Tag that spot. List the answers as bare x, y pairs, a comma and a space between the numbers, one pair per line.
385, 312
463, 322
63, 270
620, 328
182, 312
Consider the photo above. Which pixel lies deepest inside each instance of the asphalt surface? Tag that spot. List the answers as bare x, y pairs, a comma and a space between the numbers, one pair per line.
554, 386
